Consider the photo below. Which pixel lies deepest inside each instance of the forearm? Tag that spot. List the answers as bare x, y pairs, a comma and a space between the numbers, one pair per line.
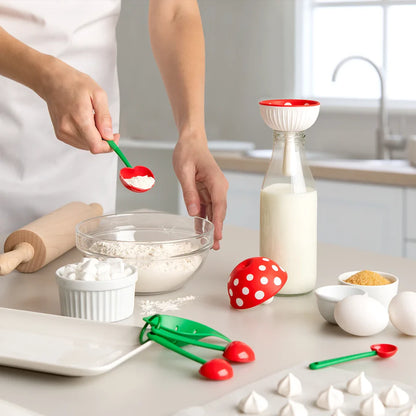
23, 63
178, 45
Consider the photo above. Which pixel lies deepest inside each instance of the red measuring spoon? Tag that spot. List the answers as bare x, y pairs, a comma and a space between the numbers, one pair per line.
382, 350
131, 172
215, 369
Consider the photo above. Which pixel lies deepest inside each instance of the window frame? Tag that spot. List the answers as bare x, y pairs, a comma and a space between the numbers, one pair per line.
303, 57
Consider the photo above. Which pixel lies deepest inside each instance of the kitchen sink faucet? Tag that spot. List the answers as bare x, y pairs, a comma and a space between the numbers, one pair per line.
386, 142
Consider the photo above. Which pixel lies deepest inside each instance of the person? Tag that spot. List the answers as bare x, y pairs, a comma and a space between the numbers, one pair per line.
59, 78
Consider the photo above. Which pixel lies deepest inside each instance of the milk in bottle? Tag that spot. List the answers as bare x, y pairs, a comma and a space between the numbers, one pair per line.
288, 198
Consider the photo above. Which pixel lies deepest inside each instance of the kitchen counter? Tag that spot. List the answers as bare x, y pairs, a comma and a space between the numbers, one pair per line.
382, 172
157, 382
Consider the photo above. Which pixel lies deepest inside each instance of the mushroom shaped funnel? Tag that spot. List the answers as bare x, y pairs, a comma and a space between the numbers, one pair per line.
289, 115
255, 281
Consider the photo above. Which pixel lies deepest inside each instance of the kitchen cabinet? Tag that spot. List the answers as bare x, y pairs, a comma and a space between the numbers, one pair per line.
364, 216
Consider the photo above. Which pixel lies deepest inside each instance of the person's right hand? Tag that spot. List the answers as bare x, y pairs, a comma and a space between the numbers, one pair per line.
78, 108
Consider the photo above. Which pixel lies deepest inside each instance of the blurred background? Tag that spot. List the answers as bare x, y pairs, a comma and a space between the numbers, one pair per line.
257, 49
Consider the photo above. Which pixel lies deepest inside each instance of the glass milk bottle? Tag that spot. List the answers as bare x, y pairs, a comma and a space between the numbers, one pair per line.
288, 198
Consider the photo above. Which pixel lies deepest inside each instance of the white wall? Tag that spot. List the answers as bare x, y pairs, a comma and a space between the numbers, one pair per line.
249, 45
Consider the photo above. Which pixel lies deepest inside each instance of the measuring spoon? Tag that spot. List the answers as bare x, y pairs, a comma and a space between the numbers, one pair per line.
215, 369
129, 172
382, 350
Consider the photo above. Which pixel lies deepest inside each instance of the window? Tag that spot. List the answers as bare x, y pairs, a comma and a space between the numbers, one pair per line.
383, 31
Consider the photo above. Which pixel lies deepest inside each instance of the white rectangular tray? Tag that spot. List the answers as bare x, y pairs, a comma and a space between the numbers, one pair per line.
313, 382
62, 345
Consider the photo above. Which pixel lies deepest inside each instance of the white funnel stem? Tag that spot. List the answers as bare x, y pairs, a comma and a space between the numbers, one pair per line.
292, 164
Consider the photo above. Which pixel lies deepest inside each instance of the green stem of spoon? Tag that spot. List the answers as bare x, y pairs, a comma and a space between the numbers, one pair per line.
119, 153
321, 364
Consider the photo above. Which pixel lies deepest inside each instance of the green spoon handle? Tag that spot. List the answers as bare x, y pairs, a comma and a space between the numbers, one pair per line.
119, 152
171, 346
186, 340
321, 364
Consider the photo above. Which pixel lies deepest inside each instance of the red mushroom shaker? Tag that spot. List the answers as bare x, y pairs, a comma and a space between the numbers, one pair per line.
255, 281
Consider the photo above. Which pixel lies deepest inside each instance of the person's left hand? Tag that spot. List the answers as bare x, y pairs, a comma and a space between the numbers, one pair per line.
204, 186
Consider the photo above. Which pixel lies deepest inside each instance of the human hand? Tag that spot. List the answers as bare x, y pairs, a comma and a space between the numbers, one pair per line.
78, 108
204, 186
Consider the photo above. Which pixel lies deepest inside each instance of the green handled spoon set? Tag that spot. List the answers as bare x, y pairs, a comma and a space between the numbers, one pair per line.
174, 332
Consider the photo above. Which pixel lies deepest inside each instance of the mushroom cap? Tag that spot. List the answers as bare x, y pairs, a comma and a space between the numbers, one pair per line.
254, 281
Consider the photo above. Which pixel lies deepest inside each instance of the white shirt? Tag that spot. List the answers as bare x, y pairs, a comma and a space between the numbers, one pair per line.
38, 173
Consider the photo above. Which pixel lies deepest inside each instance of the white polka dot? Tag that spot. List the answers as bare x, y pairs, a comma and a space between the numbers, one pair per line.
265, 259
275, 268
249, 277
262, 267
236, 282
259, 295
230, 292
264, 280
282, 269
245, 291
277, 281
239, 302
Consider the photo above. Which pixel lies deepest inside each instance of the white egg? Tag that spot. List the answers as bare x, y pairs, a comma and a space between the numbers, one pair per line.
402, 311
361, 315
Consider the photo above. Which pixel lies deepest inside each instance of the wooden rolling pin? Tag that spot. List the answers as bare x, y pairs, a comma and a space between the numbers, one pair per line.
31, 247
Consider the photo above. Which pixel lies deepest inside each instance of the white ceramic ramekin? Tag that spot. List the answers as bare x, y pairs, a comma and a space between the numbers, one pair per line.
383, 293
328, 296
107, 301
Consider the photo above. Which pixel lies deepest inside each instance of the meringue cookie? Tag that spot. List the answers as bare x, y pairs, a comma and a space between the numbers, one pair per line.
372, 406
254, 403
360, 385
330, 398
289, 386
293, 409
394, 397
411, 411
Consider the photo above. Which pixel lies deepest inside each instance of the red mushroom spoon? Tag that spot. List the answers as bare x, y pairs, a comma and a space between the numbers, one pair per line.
137, 179
382, 350
255, 281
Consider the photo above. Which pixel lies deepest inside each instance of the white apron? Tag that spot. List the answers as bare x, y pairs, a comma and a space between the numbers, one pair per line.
38, 173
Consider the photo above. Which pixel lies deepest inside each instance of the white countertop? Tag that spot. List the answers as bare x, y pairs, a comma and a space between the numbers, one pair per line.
159, 382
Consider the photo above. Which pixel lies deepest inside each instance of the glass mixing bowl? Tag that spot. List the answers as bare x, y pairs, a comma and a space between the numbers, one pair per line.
167, 249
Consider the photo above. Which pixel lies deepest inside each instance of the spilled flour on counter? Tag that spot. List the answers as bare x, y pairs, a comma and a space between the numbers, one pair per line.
150, 307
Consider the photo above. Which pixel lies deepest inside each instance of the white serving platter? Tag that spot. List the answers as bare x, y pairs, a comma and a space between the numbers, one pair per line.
313, 382
61, 345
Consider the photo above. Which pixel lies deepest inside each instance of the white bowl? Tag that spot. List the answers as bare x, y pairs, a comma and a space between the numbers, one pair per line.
383, 293
328, 296
106, 301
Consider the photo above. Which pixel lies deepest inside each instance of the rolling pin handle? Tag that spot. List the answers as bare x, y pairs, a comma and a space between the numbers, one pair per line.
22, 253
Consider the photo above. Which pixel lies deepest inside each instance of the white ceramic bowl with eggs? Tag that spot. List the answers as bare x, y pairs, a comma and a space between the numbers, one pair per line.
328, 296
383, 293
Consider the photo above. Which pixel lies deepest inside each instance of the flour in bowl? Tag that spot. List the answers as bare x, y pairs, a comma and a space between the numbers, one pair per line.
158, 268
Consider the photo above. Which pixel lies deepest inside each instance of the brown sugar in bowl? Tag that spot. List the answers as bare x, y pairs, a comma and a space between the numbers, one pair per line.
382, 292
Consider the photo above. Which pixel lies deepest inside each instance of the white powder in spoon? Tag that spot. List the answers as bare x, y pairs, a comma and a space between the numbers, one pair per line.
141, 182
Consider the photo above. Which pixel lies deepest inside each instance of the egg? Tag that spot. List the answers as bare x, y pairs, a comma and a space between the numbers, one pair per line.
361, 315
402, 311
